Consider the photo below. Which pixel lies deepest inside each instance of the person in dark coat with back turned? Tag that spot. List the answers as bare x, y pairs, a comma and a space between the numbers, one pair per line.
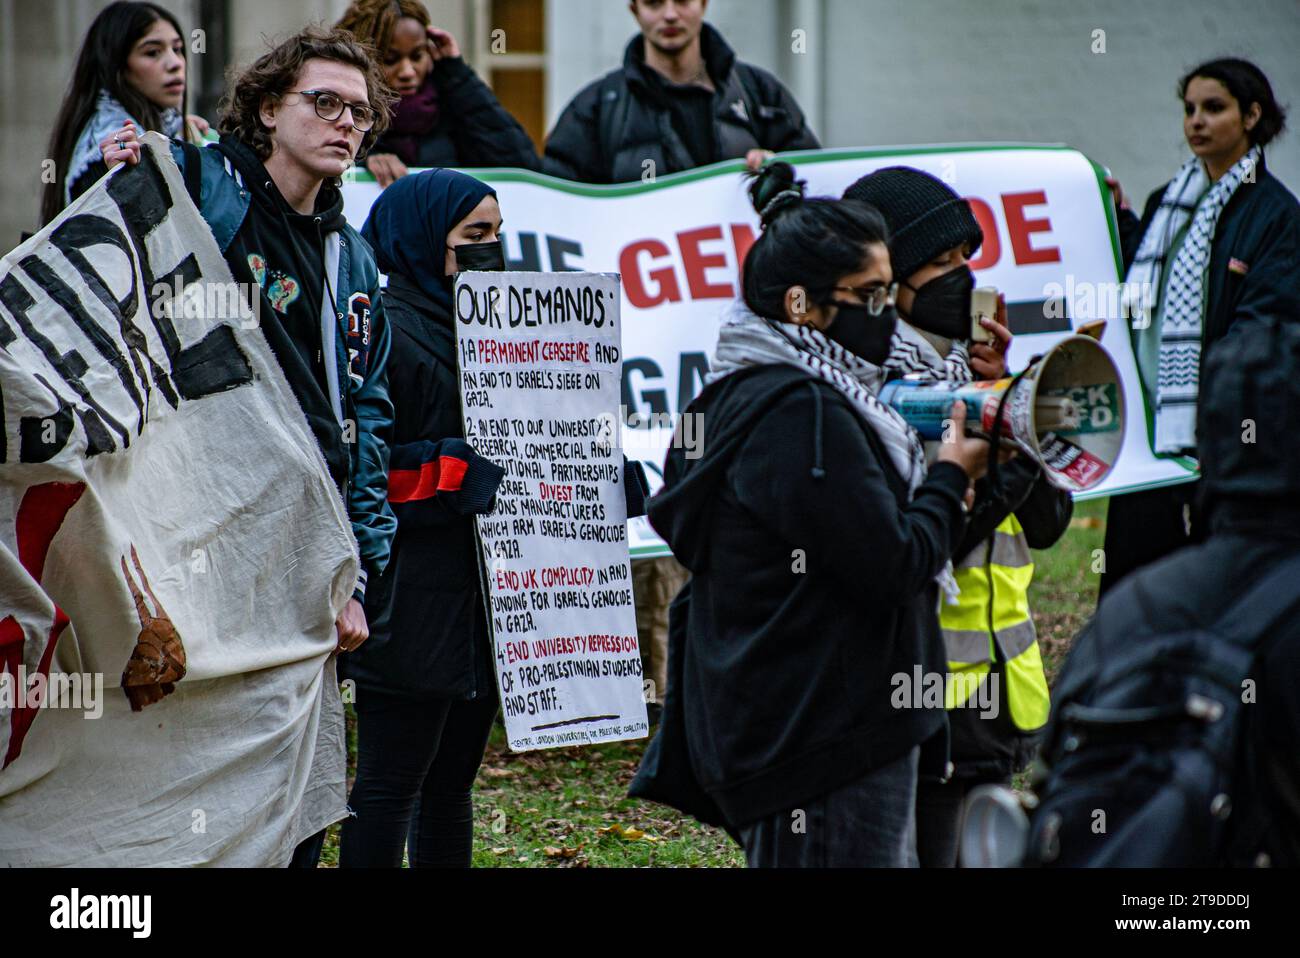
1217, 245
425, 692
818, 541
1252, 528
447, 115
680, 100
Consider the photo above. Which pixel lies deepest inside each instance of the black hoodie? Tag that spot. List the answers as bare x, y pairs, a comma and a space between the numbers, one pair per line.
812, 588
283, 252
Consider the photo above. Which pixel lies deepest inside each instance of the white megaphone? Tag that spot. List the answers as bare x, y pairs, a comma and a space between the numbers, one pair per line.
1066, 410
994, 829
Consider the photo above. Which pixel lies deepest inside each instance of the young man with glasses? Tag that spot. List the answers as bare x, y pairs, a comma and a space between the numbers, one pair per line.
294, 123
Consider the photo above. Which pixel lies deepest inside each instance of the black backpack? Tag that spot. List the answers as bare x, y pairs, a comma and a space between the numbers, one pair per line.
1147, 747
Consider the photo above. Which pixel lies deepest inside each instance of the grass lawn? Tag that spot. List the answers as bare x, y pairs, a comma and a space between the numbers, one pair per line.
568, 808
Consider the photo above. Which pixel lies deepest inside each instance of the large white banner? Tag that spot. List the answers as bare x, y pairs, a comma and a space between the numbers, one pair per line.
678, 242
172, 552
539, 366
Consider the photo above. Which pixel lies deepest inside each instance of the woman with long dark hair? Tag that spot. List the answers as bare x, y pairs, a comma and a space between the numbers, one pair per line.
1217, 244
818, 542
129, 77
447, 115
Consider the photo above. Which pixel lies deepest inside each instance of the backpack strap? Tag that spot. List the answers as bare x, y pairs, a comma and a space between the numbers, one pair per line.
1279, 584
193, 171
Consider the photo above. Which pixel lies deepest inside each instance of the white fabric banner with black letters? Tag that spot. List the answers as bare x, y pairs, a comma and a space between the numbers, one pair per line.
173, 553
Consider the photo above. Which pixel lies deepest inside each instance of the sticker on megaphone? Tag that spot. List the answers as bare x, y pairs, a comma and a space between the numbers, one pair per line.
1066, 411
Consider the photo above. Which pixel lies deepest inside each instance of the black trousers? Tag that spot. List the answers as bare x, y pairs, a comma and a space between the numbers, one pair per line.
938, 818
868, 823
416, 764
1144, 527
307, 853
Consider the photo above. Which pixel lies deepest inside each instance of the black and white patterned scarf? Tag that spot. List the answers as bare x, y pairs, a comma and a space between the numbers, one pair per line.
1189, 196
747, 339
109, 115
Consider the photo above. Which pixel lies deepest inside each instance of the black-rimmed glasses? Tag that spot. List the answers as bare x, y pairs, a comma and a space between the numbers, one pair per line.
876, 298
329, 106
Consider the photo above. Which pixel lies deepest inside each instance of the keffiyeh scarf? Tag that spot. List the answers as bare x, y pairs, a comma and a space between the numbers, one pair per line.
1189, 196
109, 115
747, 339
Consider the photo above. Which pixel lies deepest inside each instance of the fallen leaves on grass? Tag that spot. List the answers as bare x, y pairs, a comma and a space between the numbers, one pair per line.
627, 834
550, 851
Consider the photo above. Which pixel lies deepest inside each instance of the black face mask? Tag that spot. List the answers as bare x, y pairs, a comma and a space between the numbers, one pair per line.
867, 337
480, 257
942, 306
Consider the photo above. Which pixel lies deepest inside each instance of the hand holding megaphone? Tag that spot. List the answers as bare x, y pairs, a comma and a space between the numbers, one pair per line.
969, 452
1066, 411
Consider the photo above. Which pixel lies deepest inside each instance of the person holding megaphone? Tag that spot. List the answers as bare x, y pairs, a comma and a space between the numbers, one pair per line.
818, 540
996, 690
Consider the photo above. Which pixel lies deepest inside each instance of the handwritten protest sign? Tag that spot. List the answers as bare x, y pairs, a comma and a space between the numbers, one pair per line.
540, 367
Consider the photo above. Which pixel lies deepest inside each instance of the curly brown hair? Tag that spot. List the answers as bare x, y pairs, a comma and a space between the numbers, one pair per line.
275, 72
372, 21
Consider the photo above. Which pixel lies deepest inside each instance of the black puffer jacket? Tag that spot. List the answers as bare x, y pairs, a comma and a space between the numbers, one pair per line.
473, 128
812, 588
615, 124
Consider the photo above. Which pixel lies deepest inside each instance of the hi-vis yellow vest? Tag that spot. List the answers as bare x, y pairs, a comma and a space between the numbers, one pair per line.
991, 617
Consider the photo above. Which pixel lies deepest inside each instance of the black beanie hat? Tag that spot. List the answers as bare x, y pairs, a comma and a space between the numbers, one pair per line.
1249, 412
925, 217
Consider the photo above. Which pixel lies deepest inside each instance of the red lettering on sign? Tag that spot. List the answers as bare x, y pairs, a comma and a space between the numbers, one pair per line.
697, 263
1019, 228
666, 289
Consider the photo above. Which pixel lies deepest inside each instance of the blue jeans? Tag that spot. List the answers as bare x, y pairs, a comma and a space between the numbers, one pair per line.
868, 823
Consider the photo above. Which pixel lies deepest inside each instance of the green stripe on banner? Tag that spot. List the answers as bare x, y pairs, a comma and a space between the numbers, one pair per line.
725, 168
1111, 219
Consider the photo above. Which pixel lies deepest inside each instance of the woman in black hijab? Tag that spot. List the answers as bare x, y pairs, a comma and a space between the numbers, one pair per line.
425, 696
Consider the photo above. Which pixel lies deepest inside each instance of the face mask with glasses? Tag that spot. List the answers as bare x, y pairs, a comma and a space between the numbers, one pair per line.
329, 106
865, 328
874, 298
